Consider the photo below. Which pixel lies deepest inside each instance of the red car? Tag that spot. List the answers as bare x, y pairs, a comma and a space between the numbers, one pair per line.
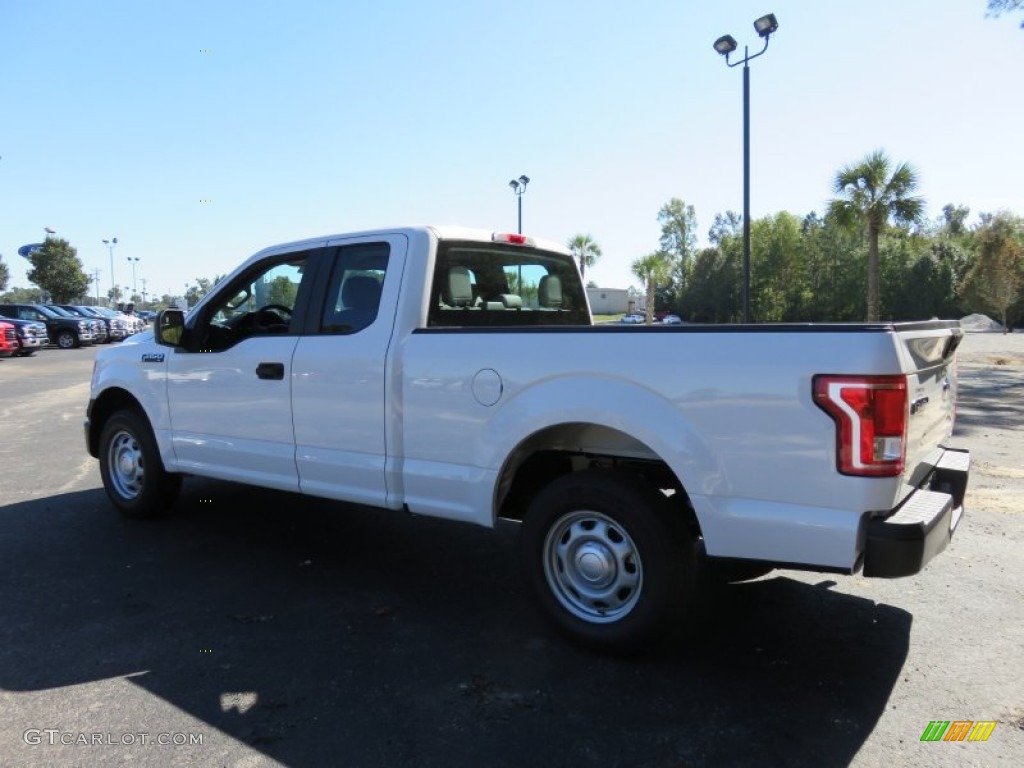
8, 340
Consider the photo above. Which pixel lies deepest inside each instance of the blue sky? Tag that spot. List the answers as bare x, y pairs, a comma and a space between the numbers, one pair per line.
304, 118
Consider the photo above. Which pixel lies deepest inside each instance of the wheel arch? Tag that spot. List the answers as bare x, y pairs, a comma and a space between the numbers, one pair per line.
102, 408
565, 448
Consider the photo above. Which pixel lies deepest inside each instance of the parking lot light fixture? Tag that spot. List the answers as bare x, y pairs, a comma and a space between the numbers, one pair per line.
518, 188
133, 260
766, 25
110, 246
725, 45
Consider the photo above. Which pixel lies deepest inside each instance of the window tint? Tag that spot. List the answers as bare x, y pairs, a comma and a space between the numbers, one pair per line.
353, 292
481, 284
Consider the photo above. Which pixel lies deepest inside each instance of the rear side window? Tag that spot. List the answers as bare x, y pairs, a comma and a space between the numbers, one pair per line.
480, 284
353, 293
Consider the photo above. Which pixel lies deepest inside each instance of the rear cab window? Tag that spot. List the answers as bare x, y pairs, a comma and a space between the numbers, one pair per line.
499, 285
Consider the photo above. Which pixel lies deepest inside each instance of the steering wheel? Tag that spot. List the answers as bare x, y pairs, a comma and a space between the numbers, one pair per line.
271, 318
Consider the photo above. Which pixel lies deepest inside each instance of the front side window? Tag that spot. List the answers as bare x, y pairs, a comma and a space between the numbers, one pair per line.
259, 303
495, 285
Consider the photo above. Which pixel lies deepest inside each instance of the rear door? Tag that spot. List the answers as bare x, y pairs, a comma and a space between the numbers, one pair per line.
341, 397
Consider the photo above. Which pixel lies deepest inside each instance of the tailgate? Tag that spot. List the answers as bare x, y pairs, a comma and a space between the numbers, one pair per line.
927, 352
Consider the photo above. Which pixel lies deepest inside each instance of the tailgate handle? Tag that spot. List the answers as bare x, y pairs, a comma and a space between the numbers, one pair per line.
270, 371
918, 404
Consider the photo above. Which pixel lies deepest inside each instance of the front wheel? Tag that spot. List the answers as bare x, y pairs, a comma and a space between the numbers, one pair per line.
607, 561
67, 340
133, 475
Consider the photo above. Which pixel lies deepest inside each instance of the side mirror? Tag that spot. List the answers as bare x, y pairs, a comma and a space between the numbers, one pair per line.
170, 327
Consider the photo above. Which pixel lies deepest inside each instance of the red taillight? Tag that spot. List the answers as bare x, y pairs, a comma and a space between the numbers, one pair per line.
514, 239
870, 413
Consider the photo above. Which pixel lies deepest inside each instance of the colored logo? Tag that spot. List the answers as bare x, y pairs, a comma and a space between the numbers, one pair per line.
958, 730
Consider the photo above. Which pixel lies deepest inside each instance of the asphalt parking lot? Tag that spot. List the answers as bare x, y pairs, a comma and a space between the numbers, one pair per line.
279, 630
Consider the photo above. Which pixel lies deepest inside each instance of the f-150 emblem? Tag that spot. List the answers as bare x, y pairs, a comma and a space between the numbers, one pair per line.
153, 357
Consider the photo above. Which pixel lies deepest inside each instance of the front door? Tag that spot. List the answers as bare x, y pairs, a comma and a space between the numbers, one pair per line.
229, 387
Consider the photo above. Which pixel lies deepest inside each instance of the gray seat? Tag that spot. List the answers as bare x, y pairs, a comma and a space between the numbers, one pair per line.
360, 298
459, 291
549, 291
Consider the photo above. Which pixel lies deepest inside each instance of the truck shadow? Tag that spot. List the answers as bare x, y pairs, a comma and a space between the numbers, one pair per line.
325, 635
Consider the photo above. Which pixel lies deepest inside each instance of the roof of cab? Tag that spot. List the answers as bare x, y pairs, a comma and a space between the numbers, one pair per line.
442, 232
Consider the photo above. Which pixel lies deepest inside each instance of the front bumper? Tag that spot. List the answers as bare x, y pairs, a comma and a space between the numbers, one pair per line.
34, 342
921, 527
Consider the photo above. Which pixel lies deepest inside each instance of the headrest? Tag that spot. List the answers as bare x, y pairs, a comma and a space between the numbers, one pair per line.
460, 287
511, 301
549, 292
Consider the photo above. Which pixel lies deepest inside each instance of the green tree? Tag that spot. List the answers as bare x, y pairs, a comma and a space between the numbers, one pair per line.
778, 290
997, 7
5, 274
653, 270
679, 242
585, 250
994, 281
22, 296
282, 291
57, 269
871, 197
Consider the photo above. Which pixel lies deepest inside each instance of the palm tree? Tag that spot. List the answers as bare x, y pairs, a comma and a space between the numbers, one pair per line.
585, 250
872, 196
654, 269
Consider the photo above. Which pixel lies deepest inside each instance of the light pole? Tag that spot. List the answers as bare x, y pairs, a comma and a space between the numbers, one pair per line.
133, 260
110, 246
518, 188
725, 45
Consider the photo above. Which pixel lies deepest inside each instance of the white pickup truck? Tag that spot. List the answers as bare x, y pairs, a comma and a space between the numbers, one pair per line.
457, 373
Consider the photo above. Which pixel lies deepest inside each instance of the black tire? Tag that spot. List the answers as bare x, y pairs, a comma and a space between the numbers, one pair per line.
26, 352
68, 340
609, 562
133, 474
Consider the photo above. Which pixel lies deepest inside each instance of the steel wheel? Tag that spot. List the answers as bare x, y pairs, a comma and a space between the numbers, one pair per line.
593, 567
607, 559
127, 465
66, 340
133, 474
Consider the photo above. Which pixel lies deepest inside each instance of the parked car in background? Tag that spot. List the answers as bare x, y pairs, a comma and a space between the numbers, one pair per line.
31, 335
65, 332
97, 326
672, 320
8, 340
634, 318
116, 329
131, 322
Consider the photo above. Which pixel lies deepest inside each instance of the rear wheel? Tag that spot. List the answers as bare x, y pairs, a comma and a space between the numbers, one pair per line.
133, 475
607, 561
